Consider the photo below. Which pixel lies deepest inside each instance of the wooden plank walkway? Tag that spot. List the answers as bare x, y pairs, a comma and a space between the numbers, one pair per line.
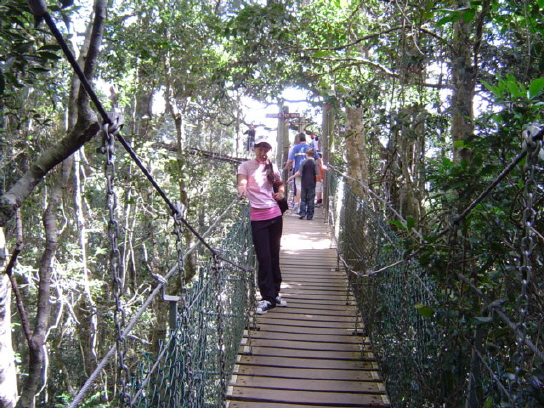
308, 354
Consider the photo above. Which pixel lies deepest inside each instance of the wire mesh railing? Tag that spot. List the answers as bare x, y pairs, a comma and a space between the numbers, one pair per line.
386, 300
445, 336
194, 364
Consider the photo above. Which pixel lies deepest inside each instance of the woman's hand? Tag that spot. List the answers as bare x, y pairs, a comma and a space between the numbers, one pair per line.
279, 195
241, 192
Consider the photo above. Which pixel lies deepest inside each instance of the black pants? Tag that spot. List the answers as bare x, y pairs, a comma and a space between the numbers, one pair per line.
266, 240
307, 198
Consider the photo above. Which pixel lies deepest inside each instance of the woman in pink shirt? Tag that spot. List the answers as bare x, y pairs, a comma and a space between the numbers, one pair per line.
256, 179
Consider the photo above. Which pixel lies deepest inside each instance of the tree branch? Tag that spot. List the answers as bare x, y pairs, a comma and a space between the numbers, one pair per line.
375, 35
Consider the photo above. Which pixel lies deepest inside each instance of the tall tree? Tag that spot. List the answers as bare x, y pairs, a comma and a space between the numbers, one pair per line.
84, 129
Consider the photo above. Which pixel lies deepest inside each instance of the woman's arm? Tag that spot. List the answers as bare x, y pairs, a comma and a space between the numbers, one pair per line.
242, 185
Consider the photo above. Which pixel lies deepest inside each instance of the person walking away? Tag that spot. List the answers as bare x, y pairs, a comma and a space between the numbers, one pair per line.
314, 142
296, 156
250, 137
296, 141
308, 173
256, 179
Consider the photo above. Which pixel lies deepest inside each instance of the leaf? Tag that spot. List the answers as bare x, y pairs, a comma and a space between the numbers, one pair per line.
49, 55
514, 88
488, 403
495, 90
469, 14
410, 223
50, 47
445, 20
321, 54
423, 310
459, 144
535, 87
397, 224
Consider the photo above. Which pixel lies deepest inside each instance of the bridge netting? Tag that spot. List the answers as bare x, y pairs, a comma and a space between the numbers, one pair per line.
191, 364
194, 362
452, 321
440, 337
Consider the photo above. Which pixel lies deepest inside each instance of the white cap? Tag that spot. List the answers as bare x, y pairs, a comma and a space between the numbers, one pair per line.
264, 141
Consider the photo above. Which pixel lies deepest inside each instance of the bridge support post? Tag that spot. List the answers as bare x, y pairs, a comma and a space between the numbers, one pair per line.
173, 309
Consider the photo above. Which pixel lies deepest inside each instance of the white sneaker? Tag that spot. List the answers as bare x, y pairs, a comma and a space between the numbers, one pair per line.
280, 302
263, 306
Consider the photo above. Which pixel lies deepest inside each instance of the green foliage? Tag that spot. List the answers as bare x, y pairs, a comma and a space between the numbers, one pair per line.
94, 401
423, 310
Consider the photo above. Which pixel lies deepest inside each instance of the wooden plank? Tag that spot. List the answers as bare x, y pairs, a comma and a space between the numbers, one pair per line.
302, 353
250, 404
294, 372
289, 284
288, 319
291, 314
301, 281
322, 297
340, 399
294, 362
322, 292
311, 385
309, 310
305, 345
334, 338
312, 307
316, 331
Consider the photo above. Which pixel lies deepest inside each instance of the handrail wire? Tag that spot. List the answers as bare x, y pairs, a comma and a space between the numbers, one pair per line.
39, 9
537, 137
156, 291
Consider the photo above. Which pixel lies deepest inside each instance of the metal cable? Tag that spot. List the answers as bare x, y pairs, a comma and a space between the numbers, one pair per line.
39, 9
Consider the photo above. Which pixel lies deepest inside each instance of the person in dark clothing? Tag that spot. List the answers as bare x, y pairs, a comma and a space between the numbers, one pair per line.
307, 173
250, 138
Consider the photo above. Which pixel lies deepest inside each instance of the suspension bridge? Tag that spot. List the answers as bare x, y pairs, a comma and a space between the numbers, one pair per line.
366, 325
312, 352
352, 334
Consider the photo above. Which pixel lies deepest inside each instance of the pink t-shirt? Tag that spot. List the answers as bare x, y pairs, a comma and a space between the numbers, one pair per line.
259, 190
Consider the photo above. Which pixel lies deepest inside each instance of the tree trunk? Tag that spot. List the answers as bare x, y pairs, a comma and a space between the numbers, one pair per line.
356, 149
37, 347
463, 74
411, 154
8, 378
172, 107
84, 130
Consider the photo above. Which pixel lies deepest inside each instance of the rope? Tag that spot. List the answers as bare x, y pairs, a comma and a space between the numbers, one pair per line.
39, 9
156, 291
537, 137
